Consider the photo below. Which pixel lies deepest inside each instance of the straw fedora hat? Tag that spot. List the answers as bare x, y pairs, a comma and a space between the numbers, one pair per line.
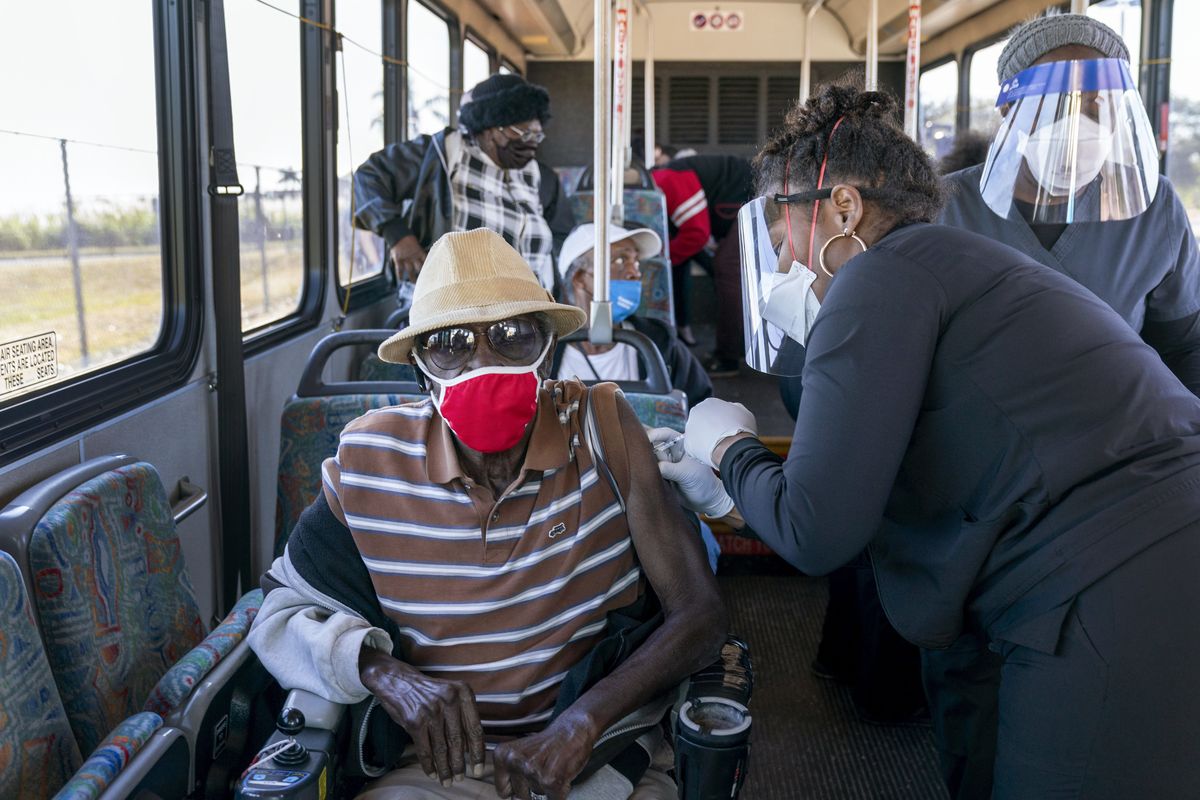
471, 277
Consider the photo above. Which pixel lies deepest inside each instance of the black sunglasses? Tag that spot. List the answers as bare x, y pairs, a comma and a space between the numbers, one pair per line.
519, 340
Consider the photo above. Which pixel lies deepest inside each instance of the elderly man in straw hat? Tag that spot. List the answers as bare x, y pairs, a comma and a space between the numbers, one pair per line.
463, 559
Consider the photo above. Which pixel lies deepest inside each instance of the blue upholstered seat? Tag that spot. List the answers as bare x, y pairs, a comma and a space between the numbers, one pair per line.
644, 208
37, 749
115, 604
310, 427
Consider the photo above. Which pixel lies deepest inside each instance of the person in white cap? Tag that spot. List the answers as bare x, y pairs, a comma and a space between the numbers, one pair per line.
616, 362
463, 558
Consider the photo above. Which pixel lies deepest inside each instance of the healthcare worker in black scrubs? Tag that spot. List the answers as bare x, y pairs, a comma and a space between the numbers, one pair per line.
1072, 181
1021, 464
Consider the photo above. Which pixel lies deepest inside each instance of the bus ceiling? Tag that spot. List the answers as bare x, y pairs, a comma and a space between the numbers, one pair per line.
563, 29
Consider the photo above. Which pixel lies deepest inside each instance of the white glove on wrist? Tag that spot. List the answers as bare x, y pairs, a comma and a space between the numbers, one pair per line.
710, 422
699, 487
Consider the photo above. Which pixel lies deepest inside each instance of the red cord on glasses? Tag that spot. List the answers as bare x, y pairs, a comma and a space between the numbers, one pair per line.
787, 212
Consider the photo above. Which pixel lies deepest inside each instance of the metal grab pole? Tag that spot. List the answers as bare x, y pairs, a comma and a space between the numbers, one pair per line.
912, 69
648, 90
873, 47
806, 63
600, 331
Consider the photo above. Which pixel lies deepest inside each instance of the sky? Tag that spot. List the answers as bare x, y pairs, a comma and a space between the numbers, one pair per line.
92, 79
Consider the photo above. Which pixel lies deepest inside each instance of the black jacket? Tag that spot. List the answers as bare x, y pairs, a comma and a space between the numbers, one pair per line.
997, 433
404, 189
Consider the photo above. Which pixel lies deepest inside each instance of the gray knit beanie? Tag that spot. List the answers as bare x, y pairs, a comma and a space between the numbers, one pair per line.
1037, 37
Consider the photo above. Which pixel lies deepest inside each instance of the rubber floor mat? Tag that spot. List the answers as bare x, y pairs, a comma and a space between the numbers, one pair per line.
807, 743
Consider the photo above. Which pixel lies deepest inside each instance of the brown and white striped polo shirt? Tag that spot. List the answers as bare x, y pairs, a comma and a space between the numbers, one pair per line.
504, 593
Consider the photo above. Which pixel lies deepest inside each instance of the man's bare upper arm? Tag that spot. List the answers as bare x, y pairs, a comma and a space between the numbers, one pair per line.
668, 548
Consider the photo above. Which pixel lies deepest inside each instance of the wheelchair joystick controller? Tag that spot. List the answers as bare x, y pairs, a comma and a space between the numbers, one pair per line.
293, 765
290, 724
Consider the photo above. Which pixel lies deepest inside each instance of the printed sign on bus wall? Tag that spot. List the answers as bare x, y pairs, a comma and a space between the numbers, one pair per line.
718, 21
29, 361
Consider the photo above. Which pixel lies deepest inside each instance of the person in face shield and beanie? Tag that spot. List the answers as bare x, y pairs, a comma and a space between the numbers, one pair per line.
483, 175
1071, 181
1023, 467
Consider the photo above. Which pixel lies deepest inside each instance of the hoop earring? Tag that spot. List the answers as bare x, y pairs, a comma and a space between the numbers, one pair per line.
846, 234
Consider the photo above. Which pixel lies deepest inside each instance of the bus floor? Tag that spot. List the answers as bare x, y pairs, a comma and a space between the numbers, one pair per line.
807, 742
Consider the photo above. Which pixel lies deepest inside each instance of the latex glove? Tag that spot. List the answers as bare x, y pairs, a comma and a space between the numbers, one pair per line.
668, 443
710, 422
699, 487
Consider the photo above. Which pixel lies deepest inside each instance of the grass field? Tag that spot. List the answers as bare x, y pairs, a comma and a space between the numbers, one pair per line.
122, 299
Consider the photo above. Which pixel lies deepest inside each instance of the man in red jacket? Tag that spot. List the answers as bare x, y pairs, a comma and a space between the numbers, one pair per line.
703, 195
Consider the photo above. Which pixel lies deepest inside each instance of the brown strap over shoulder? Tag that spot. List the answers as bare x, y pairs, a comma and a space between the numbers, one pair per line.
602, 402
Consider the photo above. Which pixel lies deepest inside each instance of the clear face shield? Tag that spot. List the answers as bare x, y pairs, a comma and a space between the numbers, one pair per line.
1075, 146
778, 304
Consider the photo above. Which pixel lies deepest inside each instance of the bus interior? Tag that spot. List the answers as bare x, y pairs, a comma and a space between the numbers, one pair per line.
190, 317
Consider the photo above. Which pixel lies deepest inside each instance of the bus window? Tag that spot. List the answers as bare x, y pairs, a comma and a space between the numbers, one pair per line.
264, 77
507, 69
937, 100
477, 64
984, 88
81, 266
428, 71
360, 127
1183, 152
1124, 17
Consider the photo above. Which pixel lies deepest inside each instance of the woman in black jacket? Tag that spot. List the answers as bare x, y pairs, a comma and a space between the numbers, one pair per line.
1021, 464
484, 175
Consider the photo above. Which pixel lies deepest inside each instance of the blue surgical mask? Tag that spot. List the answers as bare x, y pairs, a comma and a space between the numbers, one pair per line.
626, 297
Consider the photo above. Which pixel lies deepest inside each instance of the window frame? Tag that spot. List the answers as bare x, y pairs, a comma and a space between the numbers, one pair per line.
313, 88
941, 62
508, 65
54, 413
370, 290
454, 38
964, 73
474, 37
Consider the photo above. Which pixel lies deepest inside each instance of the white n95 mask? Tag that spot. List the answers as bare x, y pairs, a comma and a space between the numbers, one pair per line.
790, 303
1063, 164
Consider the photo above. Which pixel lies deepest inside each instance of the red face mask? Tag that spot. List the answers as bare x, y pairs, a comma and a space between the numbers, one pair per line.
488, 409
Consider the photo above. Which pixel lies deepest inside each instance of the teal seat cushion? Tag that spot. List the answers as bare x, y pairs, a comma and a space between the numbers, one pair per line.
644, 208
37, 749
115, 603
177, 684
110, 757
309, 433
660, 410
374, 368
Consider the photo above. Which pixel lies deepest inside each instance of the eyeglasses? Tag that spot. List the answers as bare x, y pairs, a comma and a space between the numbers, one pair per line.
519, 340
527, 137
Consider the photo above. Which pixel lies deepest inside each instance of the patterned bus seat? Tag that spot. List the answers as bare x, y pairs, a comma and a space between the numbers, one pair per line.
374, 368
644, 208
37, 749
660, 410
39, 756
309, 433
569, 178
115, 604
